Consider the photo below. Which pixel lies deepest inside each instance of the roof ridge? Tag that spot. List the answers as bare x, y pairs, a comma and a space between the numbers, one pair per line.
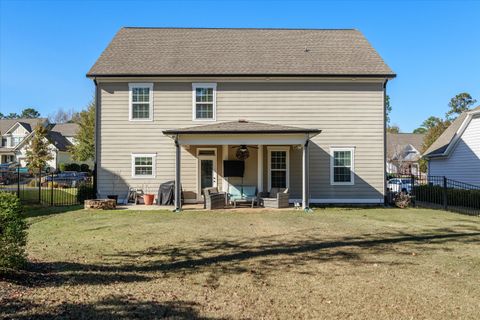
240, 28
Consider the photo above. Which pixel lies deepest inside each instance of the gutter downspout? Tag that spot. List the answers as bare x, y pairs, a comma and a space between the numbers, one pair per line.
95, 168
385, 142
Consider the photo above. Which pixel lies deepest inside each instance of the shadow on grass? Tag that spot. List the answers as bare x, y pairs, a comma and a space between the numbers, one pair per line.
263, 256
115, 307
38, 212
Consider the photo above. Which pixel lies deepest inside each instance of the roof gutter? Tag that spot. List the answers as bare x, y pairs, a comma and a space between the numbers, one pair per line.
130, 75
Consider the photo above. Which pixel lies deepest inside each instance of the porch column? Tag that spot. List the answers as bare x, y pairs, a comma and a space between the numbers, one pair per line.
260, 168
178, 183
224, 157
305, 178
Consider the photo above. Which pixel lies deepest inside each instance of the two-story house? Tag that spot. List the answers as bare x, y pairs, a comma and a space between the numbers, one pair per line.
404, 152
16, 134
304, 109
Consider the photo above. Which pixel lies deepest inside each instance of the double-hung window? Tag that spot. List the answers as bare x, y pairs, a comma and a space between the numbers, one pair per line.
15, 141
204, 101
143, 165
141, 101
342, 165
278, 167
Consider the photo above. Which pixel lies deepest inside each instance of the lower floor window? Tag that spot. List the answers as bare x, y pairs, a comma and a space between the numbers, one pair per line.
278, 168
341, 167
143, 165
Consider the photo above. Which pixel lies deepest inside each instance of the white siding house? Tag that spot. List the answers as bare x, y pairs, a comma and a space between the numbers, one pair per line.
456, 154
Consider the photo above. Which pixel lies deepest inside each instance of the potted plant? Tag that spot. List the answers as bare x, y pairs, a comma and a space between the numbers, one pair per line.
148, 198
115, 179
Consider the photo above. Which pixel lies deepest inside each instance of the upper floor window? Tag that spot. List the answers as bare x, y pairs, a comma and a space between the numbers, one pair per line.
14, 141
204, 101
342, 166
141, 101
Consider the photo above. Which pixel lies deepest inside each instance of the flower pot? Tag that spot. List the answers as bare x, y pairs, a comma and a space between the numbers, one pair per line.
113, 197
148, 199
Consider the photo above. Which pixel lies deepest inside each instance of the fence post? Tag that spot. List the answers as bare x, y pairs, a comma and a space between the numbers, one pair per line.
40, 186
445, 197
18, 181
51, 189
412, 188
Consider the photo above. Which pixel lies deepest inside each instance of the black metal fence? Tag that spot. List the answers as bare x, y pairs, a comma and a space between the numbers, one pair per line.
438, 192
51, 189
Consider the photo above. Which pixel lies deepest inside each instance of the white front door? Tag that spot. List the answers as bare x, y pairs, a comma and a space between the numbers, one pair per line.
207, 170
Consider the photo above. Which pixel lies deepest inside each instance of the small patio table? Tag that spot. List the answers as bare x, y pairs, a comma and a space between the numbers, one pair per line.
248, 200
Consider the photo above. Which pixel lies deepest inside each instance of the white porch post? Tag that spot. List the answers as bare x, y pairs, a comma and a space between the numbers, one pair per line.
224, 157
260, 168
305, 178
178, 183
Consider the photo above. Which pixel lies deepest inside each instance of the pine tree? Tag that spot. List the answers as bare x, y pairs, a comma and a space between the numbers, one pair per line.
38, 153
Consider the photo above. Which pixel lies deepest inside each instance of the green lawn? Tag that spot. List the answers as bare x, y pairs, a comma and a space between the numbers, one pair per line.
334, 263
60, 195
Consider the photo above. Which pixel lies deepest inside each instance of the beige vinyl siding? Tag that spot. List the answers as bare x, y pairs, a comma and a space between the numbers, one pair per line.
349, 114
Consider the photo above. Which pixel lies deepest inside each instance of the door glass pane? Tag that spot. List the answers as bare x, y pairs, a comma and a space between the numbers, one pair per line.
206, 169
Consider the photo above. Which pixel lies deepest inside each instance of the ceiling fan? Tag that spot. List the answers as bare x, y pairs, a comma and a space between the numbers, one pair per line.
242, 152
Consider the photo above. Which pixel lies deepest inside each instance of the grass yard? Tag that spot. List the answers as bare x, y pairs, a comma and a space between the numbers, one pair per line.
334, 263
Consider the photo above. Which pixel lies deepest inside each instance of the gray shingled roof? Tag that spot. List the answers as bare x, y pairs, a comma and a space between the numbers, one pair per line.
29, 124
397, 142
184, 52
58, 133
441, 144
241, 126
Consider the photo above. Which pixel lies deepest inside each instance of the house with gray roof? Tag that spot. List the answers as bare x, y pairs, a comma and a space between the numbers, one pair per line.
302, 109
456, 153
404, 150
16, 134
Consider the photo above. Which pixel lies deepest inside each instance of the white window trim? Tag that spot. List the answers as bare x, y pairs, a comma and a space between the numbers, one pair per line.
194, 102
269, 167
154, 165
130, 102
352, 167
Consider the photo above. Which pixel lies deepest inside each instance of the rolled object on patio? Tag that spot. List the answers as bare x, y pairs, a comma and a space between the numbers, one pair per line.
102, 204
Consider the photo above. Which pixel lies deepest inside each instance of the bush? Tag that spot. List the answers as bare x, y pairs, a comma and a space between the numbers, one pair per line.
62, 166
85, 192
13, 235
455, 197
84, 167
33, 182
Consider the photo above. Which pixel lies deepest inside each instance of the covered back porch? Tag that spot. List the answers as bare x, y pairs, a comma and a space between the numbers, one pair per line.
273, 156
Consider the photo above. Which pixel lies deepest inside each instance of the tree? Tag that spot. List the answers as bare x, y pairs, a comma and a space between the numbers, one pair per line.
1, 115
11, 115
393, 129
84, 148
61, 116
388, 109
458, 104
430, 137
420, 130
29, 113
38, 153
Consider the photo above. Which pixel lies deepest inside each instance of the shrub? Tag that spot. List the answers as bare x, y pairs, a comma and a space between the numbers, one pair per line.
13, 235
455, 197
62, 167
72, 167
85, 192
84, 167
33, 182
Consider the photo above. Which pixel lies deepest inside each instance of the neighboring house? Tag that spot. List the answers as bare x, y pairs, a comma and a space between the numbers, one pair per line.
456, 153
403, 153
16, 134
306, 105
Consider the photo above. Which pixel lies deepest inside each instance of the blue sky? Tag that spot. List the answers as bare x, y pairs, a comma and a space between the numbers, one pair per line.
46, 47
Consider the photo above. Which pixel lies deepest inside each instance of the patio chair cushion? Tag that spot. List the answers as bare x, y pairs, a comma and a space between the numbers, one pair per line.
249, 191
234, 192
